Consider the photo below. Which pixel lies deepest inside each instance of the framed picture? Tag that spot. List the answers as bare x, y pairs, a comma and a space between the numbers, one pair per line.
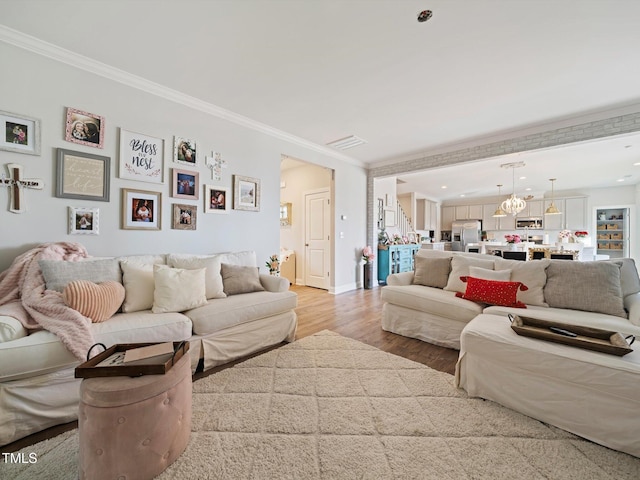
84, 128
185, 184
246, 193
21, 133
141, 210
184, 151
82, 176
84, 221
141, 157
389, 218
216, 199
185, 217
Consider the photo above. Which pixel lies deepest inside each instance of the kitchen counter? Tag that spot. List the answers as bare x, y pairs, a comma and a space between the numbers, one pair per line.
433, 246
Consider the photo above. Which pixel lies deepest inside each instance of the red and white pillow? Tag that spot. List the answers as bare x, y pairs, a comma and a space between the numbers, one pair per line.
492, 292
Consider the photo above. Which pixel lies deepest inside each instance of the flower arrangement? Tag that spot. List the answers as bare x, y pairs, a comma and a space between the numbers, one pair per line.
397, 239
273, 264
367, 254
581, 234
513, 238
564, 234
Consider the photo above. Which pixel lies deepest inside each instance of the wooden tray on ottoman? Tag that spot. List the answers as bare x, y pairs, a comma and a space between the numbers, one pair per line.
157, 365
590, 338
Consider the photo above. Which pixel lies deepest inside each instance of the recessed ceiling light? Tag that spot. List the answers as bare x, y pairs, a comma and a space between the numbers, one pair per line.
462, 194
528, 189
443, 186
523, 178
636, 164
621, 180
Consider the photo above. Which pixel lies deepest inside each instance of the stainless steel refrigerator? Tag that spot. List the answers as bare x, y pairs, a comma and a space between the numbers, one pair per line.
464, 232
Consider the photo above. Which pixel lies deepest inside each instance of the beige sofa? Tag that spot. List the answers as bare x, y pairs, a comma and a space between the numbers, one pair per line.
37, 384
597, 294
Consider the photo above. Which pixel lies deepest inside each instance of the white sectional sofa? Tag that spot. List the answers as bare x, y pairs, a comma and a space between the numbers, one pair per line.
423, 304
37, 384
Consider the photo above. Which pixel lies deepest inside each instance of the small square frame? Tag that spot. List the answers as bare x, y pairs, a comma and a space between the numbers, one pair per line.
141, 210
82, 176
84, 128
246, 193
216, 199
21, 133
84, 221
185, 184
185, 151
185, 217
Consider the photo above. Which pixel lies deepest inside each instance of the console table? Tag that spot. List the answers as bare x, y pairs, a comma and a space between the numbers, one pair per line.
395, 259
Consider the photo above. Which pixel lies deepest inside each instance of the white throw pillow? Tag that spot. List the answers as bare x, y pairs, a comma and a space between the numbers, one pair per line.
213, 277
460, 268
486, 274
533, 274
243, 259
178, 289
137, 279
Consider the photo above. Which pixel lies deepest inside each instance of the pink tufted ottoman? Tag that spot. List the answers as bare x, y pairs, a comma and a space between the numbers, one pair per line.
134, 428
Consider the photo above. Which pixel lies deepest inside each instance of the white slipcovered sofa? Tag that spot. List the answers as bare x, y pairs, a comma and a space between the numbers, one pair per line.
37, 384
423, 304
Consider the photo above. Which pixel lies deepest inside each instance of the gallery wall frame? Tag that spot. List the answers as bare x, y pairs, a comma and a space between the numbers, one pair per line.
82, 176
216, 199
84, 221
185, 217
246, 193
185, 151
185, 184
141, 157
84, 128
21, 133
141, 210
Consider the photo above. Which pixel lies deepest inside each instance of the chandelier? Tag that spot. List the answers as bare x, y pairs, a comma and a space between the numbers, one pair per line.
513, 204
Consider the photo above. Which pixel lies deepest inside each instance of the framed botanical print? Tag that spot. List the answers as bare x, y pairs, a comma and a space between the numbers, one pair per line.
216, 199
246, 193
141, 210
185, 184
84, 128
141, 157
21, 133
184, 151
84, 221
82, 176
185, 217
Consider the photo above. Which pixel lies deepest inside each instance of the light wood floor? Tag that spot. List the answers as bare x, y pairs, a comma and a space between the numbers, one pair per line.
355, 314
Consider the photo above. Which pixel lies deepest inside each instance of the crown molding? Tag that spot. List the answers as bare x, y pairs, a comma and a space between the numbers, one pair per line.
62, 55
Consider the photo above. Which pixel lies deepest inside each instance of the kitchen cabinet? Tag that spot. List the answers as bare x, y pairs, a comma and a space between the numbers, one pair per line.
468, 212
426, 215
448, 216
395, 259
534, 209
507, 223
575, 213
489, 222
433, 216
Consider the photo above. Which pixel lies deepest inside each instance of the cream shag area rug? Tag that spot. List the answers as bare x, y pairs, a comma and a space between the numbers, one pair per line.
328, 407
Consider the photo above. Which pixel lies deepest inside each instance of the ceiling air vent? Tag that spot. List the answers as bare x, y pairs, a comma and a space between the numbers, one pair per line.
347, 142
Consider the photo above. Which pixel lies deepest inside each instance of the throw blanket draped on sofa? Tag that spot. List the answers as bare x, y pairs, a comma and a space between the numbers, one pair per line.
23, 295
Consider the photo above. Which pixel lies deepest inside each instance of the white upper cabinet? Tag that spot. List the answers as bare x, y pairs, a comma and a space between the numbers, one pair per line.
448, 216
575, 213
534, 208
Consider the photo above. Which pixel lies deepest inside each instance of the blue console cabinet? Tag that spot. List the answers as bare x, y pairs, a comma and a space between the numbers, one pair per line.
395, 259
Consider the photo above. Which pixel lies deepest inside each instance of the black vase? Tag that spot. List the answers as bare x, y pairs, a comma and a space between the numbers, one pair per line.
367, 275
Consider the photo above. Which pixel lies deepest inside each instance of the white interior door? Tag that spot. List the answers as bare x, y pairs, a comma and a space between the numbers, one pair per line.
317, 239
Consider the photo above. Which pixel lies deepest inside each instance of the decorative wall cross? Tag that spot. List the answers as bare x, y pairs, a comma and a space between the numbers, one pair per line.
216, 164
16, 185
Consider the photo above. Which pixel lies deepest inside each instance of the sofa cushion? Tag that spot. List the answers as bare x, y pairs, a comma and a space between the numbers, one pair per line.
629, 280
211, 264
138, 285
236, 309
493, 292
533, 274
460, 268
240, 279
587, 286
97, 301
243, 259
432, 272
486, 274
430, 300
57, 273
160, 259
178, 289
11, 329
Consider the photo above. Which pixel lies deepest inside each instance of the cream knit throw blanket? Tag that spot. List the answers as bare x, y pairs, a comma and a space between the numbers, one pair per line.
24, 297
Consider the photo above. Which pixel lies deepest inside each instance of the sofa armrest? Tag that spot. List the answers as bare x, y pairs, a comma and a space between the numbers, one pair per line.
632, 305
402, 278
271, 283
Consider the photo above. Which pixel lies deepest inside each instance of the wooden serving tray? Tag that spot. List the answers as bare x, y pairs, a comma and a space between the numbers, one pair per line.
157, 365
589, 338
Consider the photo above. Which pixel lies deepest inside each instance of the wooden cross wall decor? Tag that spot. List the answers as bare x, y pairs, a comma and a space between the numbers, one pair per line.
16, 185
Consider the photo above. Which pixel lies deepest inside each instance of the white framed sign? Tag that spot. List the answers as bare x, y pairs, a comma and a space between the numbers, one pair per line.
141, 157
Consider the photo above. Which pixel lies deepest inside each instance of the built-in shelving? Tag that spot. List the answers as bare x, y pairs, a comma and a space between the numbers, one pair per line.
612, 227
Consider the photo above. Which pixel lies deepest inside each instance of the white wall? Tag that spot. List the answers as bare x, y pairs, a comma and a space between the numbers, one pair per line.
40, 87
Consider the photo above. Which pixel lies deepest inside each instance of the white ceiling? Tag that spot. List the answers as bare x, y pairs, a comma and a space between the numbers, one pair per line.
323, 70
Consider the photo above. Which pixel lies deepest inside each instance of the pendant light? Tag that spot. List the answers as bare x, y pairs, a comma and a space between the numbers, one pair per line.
499, 212
513, 204
552, 210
